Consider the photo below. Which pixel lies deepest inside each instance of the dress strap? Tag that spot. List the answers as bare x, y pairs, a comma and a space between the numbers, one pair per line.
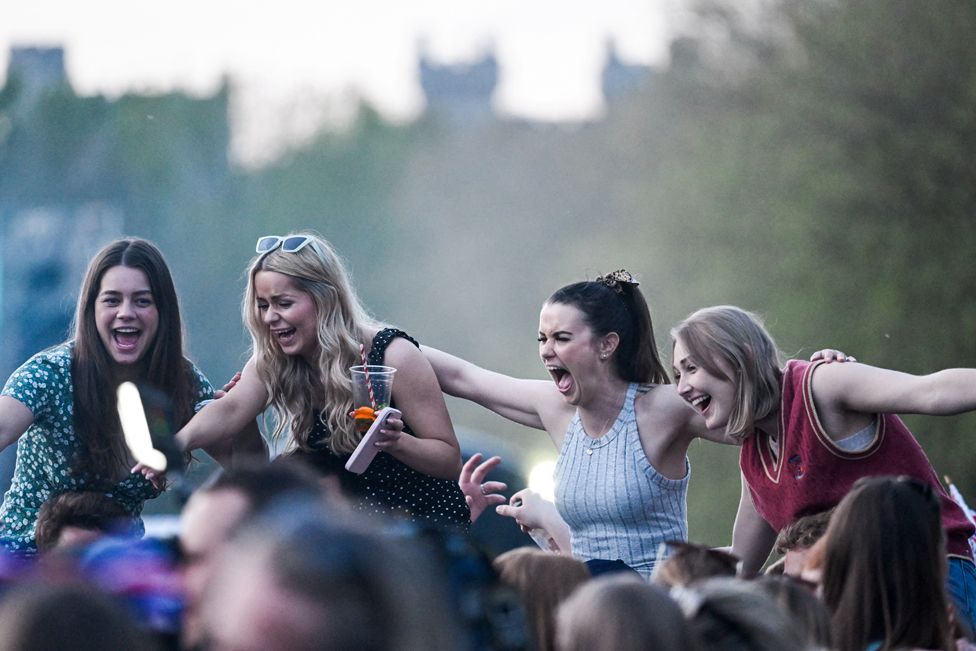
383, 339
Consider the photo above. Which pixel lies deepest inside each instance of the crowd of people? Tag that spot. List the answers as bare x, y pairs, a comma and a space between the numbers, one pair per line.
297, 552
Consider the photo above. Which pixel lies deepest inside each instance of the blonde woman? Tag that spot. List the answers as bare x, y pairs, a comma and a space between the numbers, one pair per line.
809, 431
307, 326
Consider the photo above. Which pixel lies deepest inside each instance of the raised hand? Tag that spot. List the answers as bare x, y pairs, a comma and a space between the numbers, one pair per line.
478, 493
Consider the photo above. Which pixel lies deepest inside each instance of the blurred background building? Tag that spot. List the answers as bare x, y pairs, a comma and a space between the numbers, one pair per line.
810, 161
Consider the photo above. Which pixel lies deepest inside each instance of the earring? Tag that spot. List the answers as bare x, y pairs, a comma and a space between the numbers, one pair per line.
603, 356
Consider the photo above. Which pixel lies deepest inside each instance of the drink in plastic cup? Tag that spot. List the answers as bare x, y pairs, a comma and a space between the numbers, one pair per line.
380, 379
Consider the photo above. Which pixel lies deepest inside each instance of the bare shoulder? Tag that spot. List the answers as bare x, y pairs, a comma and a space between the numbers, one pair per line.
664, 427
661, 410
402, 353
660, 403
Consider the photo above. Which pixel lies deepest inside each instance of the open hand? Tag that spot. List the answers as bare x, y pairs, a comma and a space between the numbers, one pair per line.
478, 493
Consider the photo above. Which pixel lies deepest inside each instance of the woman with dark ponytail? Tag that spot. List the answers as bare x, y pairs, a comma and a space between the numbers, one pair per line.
621, 429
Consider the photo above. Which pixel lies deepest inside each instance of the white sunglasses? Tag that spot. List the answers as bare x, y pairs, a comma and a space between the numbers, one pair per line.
291, 244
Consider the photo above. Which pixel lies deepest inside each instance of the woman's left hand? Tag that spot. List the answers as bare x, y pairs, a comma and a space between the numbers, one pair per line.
390, 434
156, 478
830, 355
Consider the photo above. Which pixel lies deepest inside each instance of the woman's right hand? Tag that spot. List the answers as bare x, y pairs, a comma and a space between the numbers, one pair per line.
528, 509
231, 383
539, 518
478, 493
155, 477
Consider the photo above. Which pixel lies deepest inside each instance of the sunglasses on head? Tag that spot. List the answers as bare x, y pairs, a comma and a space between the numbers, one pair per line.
291, 244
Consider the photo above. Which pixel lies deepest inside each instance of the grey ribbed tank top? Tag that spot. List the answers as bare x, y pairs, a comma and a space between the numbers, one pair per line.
616, 504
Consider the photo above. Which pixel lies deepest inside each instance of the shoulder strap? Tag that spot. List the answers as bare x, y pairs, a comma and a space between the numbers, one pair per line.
382, 340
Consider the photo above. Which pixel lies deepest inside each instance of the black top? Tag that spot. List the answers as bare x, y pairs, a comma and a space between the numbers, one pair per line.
388, 486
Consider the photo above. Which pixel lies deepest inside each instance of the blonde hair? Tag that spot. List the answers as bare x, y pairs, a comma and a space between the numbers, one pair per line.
295, 388
739, 339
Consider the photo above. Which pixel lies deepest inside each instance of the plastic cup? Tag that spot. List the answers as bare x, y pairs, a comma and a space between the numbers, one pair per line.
371, 387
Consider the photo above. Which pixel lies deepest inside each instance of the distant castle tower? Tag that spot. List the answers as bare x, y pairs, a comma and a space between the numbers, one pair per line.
462, 92
621, 79
35, 70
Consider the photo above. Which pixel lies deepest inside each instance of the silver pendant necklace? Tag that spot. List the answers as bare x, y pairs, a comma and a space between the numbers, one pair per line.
597, 443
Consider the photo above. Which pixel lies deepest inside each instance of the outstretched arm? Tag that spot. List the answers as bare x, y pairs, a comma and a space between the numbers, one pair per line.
839, 388
434, 448
223, 419
246, 444
523, 401
695, 425
752, 537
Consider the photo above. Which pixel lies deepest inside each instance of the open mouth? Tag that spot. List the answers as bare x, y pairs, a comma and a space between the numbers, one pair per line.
126, 339
562, 378
701, 402
284, 336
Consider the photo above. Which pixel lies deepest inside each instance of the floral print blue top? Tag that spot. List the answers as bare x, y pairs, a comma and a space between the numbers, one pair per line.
46, 450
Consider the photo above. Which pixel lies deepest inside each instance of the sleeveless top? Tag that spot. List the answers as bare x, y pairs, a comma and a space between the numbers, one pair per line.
812, 473
617, 505
389, 486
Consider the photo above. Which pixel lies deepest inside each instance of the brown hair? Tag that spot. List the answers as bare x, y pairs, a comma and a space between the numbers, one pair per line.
543, 581
83, 509
614, 306
621, 612
803, 532
884, 567
797, 598
688, 562
102, 454
61, 616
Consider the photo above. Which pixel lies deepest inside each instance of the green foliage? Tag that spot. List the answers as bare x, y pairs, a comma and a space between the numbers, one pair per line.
814, 163
827, 181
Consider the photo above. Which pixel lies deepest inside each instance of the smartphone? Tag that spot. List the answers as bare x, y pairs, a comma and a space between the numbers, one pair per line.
363, 455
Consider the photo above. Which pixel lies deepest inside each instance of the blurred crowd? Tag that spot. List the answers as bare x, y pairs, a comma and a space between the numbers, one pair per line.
358, 534
271, 556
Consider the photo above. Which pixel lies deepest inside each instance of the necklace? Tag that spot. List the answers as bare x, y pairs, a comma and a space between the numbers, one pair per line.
602, 441
596, 444
607, 429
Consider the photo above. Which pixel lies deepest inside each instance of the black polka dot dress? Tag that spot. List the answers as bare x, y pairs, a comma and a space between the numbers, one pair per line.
389, 487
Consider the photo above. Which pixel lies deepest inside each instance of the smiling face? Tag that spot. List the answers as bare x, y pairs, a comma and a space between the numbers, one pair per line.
289, 313
570, 351
126, 316
710, 394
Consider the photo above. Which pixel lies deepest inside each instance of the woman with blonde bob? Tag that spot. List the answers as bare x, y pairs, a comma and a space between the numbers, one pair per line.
308, 327
810, 430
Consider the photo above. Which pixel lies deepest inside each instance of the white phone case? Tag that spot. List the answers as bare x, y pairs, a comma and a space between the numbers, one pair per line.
365, 451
